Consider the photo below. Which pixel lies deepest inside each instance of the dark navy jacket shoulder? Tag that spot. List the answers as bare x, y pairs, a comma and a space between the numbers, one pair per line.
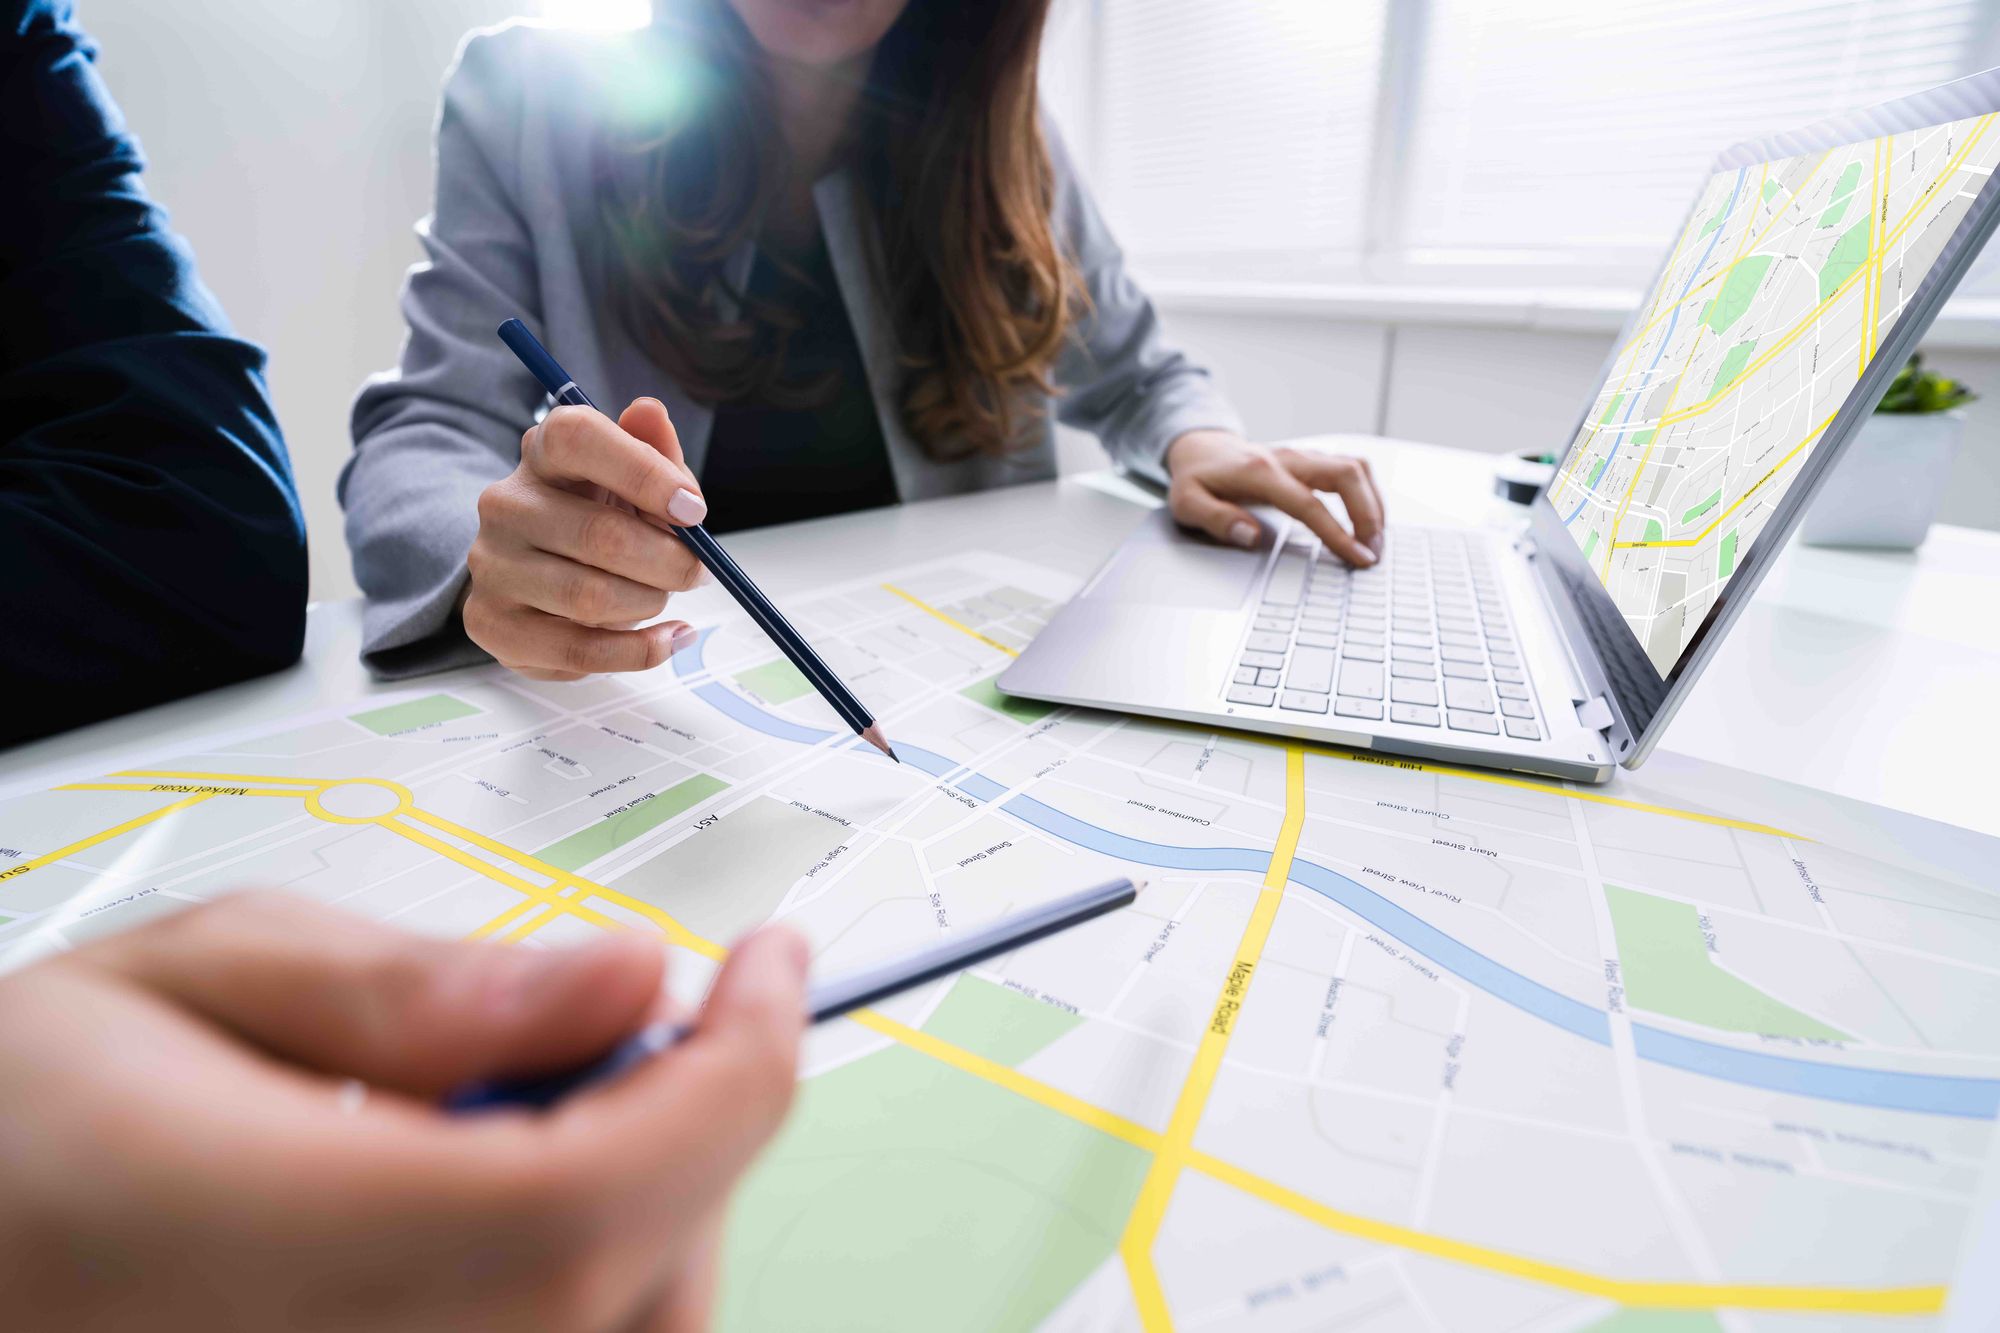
151, 542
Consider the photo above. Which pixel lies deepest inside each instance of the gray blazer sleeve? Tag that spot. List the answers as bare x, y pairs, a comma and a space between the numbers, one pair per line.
1119, 379
430, 435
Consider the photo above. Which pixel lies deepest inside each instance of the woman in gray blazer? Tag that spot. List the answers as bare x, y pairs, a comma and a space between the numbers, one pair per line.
832, 257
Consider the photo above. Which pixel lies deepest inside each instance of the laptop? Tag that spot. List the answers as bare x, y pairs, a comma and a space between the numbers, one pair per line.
1798, 285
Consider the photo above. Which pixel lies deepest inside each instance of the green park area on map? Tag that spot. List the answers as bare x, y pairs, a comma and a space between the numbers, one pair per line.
429, 711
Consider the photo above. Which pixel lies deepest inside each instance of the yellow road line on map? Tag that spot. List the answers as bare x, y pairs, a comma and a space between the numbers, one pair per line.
1570, 793
493, 872
532, 924
1149, 1211
85, 844
1871, 283
1626, 1291
956, 624
506, 918
210, 788
227, 777
1717, 521
1632, 487
1179, 1137
673, 929
1798, 330
1042, 1094
1790, 203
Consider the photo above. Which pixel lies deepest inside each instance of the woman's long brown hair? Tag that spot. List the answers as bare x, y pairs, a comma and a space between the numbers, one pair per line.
956, 179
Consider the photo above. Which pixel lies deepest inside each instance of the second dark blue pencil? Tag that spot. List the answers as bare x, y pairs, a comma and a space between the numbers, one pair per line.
709, 551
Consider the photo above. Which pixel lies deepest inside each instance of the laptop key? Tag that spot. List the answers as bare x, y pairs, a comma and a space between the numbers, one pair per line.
1315, 639
1414, 714
1404, 653
1358, 708
1480, 722
1311, 671
1511, 675
1266, 677
1319, 624
1414, 691
1245, 676
1413, 670
1516, 708
1458, 638
1363, 680
1272, 624
1523, 731
1259, 642
1250, 694
1506, 660
1301, 702
1257, 659
1361, 652
1452, 652
1465, 670
1509, 690
1288, 580
1470, 696
1362, 634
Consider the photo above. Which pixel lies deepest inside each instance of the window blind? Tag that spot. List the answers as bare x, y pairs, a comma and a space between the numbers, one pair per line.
1235, 136
1534, 142
1564, 131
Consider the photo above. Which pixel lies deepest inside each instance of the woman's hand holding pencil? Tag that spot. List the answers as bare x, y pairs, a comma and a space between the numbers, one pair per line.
582, 460
569, 559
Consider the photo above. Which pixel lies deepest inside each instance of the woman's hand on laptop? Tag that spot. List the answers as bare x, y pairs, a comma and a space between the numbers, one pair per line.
1215, 474
570, 556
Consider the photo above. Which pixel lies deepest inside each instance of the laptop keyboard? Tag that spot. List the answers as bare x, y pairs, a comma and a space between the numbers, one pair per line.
1421, 638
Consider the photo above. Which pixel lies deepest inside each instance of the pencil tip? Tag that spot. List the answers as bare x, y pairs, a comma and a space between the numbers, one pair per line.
873, 735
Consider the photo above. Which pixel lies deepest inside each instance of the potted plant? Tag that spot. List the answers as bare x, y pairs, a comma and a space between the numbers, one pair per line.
1886, 490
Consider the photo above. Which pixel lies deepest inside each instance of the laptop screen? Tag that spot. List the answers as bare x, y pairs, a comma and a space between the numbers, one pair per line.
1783, 281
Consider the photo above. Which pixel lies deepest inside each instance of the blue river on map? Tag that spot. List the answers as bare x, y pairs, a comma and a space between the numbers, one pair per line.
1935, 1094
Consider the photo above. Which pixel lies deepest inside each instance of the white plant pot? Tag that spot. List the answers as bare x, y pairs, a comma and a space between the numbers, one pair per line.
1886, 489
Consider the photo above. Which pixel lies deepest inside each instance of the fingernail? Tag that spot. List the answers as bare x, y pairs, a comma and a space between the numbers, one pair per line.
1364, 557
684, 638
687, 507
1375, 543
1243, 534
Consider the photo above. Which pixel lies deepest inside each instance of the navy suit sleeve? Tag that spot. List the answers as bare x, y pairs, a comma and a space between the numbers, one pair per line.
151, 543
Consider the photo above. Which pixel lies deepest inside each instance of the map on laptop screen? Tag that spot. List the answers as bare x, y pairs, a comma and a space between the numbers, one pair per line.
1780, 288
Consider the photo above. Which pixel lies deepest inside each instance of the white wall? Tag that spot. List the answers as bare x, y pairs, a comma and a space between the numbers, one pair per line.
291, 141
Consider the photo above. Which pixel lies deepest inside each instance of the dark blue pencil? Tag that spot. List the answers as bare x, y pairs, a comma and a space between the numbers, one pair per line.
828, 1000
709, 551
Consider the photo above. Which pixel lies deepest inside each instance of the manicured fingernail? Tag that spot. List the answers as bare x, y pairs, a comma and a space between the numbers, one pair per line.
1243, 534
684, 637
1364, 557
1375, 543
687, 507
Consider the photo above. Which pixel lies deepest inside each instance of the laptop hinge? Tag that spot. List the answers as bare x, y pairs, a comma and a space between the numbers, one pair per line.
1594, 713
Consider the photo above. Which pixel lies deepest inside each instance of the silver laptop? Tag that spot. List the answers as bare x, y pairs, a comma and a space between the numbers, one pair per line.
1798, 285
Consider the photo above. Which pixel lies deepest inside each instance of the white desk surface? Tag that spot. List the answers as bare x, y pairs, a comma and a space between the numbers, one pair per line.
1870, 675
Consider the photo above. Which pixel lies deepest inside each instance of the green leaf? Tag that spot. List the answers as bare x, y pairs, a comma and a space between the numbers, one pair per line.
1917, 390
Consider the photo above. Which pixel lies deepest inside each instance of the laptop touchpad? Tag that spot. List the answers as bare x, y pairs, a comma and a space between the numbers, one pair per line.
1163, 566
